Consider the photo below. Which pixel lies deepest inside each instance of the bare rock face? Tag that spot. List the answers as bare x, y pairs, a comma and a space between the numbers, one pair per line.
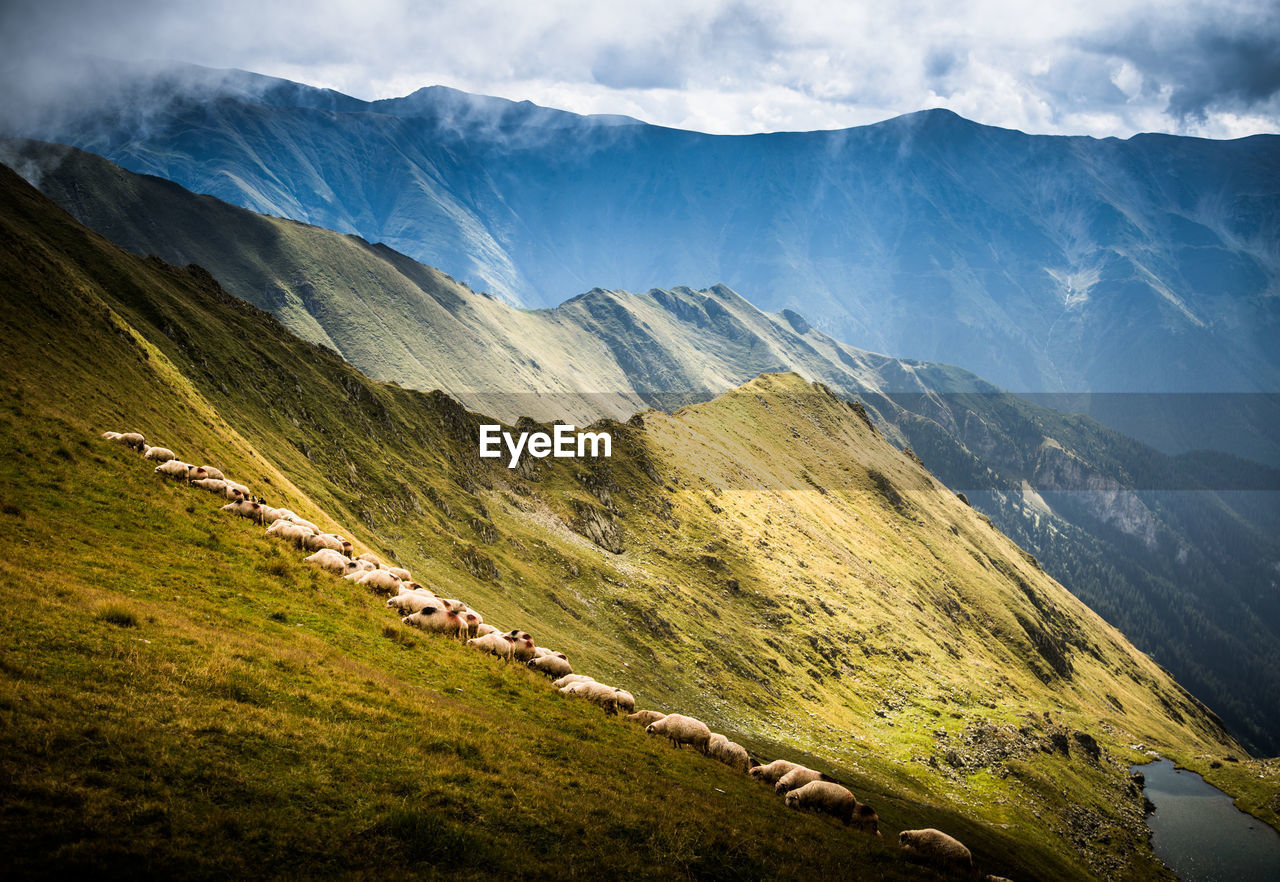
597, 525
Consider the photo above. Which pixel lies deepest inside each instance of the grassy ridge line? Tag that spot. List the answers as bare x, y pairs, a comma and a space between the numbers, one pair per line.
410, 487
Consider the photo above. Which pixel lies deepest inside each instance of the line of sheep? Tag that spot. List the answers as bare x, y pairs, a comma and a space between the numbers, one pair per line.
802, 788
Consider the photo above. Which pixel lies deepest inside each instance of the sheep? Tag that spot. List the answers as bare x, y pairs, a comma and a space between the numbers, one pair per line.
826, 797
501, 645
213, 485
174, 469
159, 454
401, 572
377, 581
286, 514
472, 620
797, 778
371, 558
289, 532
730, 753
364, 565
234, 487
552, 665
303, 522
866, 820
770, 773
131, 439
330, 560
317, 541
196, 473
214, 473
597, 693
246, 509
645, 717
524, 648
485, 629
682, 730
111, 436
570, 679
412, 602
936, 847
437, 619
626, 702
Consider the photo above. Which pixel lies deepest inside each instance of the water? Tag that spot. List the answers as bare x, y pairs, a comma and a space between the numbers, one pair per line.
1203, 837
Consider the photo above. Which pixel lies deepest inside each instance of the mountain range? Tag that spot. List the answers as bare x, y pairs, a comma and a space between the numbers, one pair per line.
1178, 552
182, 694
1045, 264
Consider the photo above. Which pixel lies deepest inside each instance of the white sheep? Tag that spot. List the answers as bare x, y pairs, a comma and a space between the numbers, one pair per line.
524, 648
682, 730
730, 753
438, 620
936, 847
645, 717
111, 436
174, 469
501, 645
213, 485
553, 665
378, 581
773, 771
290, 532
317, 541
826, 797
159, 454
412, 602
131, 439
330, 560
597, 693
797, 778
626, 702
246, 509
570, 679
472, 620
371, 558
303, 522
215, 473
486, 628
401, 572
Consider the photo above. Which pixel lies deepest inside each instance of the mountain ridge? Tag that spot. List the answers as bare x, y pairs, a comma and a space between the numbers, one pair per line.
916, 606
1045, 263
1133, 546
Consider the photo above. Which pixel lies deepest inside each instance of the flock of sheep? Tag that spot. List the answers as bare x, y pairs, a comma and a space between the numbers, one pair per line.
801, 787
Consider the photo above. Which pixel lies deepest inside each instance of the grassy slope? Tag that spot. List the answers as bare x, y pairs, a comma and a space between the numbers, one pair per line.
933, 646
182, 697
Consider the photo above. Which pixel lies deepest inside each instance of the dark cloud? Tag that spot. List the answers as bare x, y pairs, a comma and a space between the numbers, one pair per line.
1225, 64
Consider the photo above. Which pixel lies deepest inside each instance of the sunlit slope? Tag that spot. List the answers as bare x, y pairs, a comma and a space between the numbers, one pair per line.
904, 617
182, 697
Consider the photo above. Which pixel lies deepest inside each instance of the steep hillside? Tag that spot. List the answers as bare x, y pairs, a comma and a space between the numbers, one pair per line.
1043, 263
176, 689
1168, 549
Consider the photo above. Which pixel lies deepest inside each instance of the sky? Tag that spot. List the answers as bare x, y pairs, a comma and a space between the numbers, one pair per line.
1094, 67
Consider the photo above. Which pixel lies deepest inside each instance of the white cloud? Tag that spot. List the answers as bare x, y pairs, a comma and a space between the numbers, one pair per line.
1092, 67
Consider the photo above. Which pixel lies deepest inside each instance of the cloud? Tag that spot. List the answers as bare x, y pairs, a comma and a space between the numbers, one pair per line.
1100, 67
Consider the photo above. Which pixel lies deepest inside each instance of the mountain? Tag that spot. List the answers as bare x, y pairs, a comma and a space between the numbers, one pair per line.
1179, 553
1046, 264
181, 692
